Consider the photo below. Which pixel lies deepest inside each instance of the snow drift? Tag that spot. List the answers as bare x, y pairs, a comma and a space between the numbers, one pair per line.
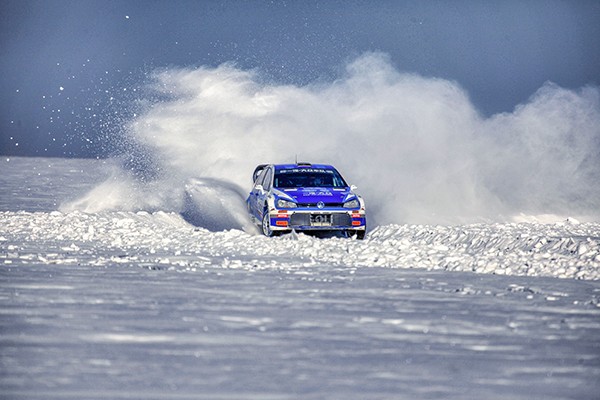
416, 147
32, 229
562, 250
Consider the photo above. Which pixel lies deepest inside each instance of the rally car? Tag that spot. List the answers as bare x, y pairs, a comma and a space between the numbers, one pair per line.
306, 198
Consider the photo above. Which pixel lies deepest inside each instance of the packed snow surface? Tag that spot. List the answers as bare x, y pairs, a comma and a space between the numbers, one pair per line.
168, 303
563, 250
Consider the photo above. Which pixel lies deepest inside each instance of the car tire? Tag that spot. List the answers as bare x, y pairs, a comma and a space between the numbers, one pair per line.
360, 235
266, 224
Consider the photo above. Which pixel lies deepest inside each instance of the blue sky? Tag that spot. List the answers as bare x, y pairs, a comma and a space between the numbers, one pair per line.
66, 64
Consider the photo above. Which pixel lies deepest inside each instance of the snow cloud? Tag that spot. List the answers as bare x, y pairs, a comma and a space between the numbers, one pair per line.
416, 147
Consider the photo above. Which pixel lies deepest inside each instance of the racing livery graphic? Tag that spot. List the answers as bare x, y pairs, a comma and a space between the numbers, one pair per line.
305, 197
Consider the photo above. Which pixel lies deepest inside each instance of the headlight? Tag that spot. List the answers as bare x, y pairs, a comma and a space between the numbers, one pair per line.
286, 204
352, 204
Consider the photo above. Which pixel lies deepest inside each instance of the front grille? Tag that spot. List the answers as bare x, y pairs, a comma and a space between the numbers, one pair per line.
342, 219
337, 219
314, 205
300, 219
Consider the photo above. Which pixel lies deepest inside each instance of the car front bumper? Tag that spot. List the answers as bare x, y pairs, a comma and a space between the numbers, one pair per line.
318, 220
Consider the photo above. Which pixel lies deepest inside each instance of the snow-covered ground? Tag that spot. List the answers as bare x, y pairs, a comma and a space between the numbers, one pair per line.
145, 304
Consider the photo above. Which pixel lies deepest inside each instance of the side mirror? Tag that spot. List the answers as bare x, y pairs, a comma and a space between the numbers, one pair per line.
259, 188
353, 187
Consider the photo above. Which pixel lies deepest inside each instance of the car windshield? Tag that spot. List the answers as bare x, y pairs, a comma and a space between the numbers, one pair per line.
295, 178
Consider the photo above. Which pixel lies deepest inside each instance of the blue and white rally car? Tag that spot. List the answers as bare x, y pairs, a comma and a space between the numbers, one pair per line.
305, 197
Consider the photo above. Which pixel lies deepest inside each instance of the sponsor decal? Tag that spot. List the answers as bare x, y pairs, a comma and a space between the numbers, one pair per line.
297, 170
311, 193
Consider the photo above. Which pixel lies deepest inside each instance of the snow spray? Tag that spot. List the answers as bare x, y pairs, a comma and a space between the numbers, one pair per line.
416, 147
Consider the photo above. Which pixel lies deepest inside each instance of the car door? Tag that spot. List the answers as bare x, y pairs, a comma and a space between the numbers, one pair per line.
262, 195
253, 199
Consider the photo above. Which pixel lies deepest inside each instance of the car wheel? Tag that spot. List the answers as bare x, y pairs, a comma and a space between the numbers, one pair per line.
360, 235
266, 224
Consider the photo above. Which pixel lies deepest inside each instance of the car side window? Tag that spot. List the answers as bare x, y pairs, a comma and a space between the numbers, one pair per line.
267, 179
260, 177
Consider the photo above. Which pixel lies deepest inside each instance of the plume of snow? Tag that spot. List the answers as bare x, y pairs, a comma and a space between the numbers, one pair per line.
416, 147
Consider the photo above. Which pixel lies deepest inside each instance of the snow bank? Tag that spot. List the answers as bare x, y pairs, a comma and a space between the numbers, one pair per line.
565, 250
166, 240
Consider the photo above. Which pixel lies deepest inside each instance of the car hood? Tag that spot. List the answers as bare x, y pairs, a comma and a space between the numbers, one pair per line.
315, 195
